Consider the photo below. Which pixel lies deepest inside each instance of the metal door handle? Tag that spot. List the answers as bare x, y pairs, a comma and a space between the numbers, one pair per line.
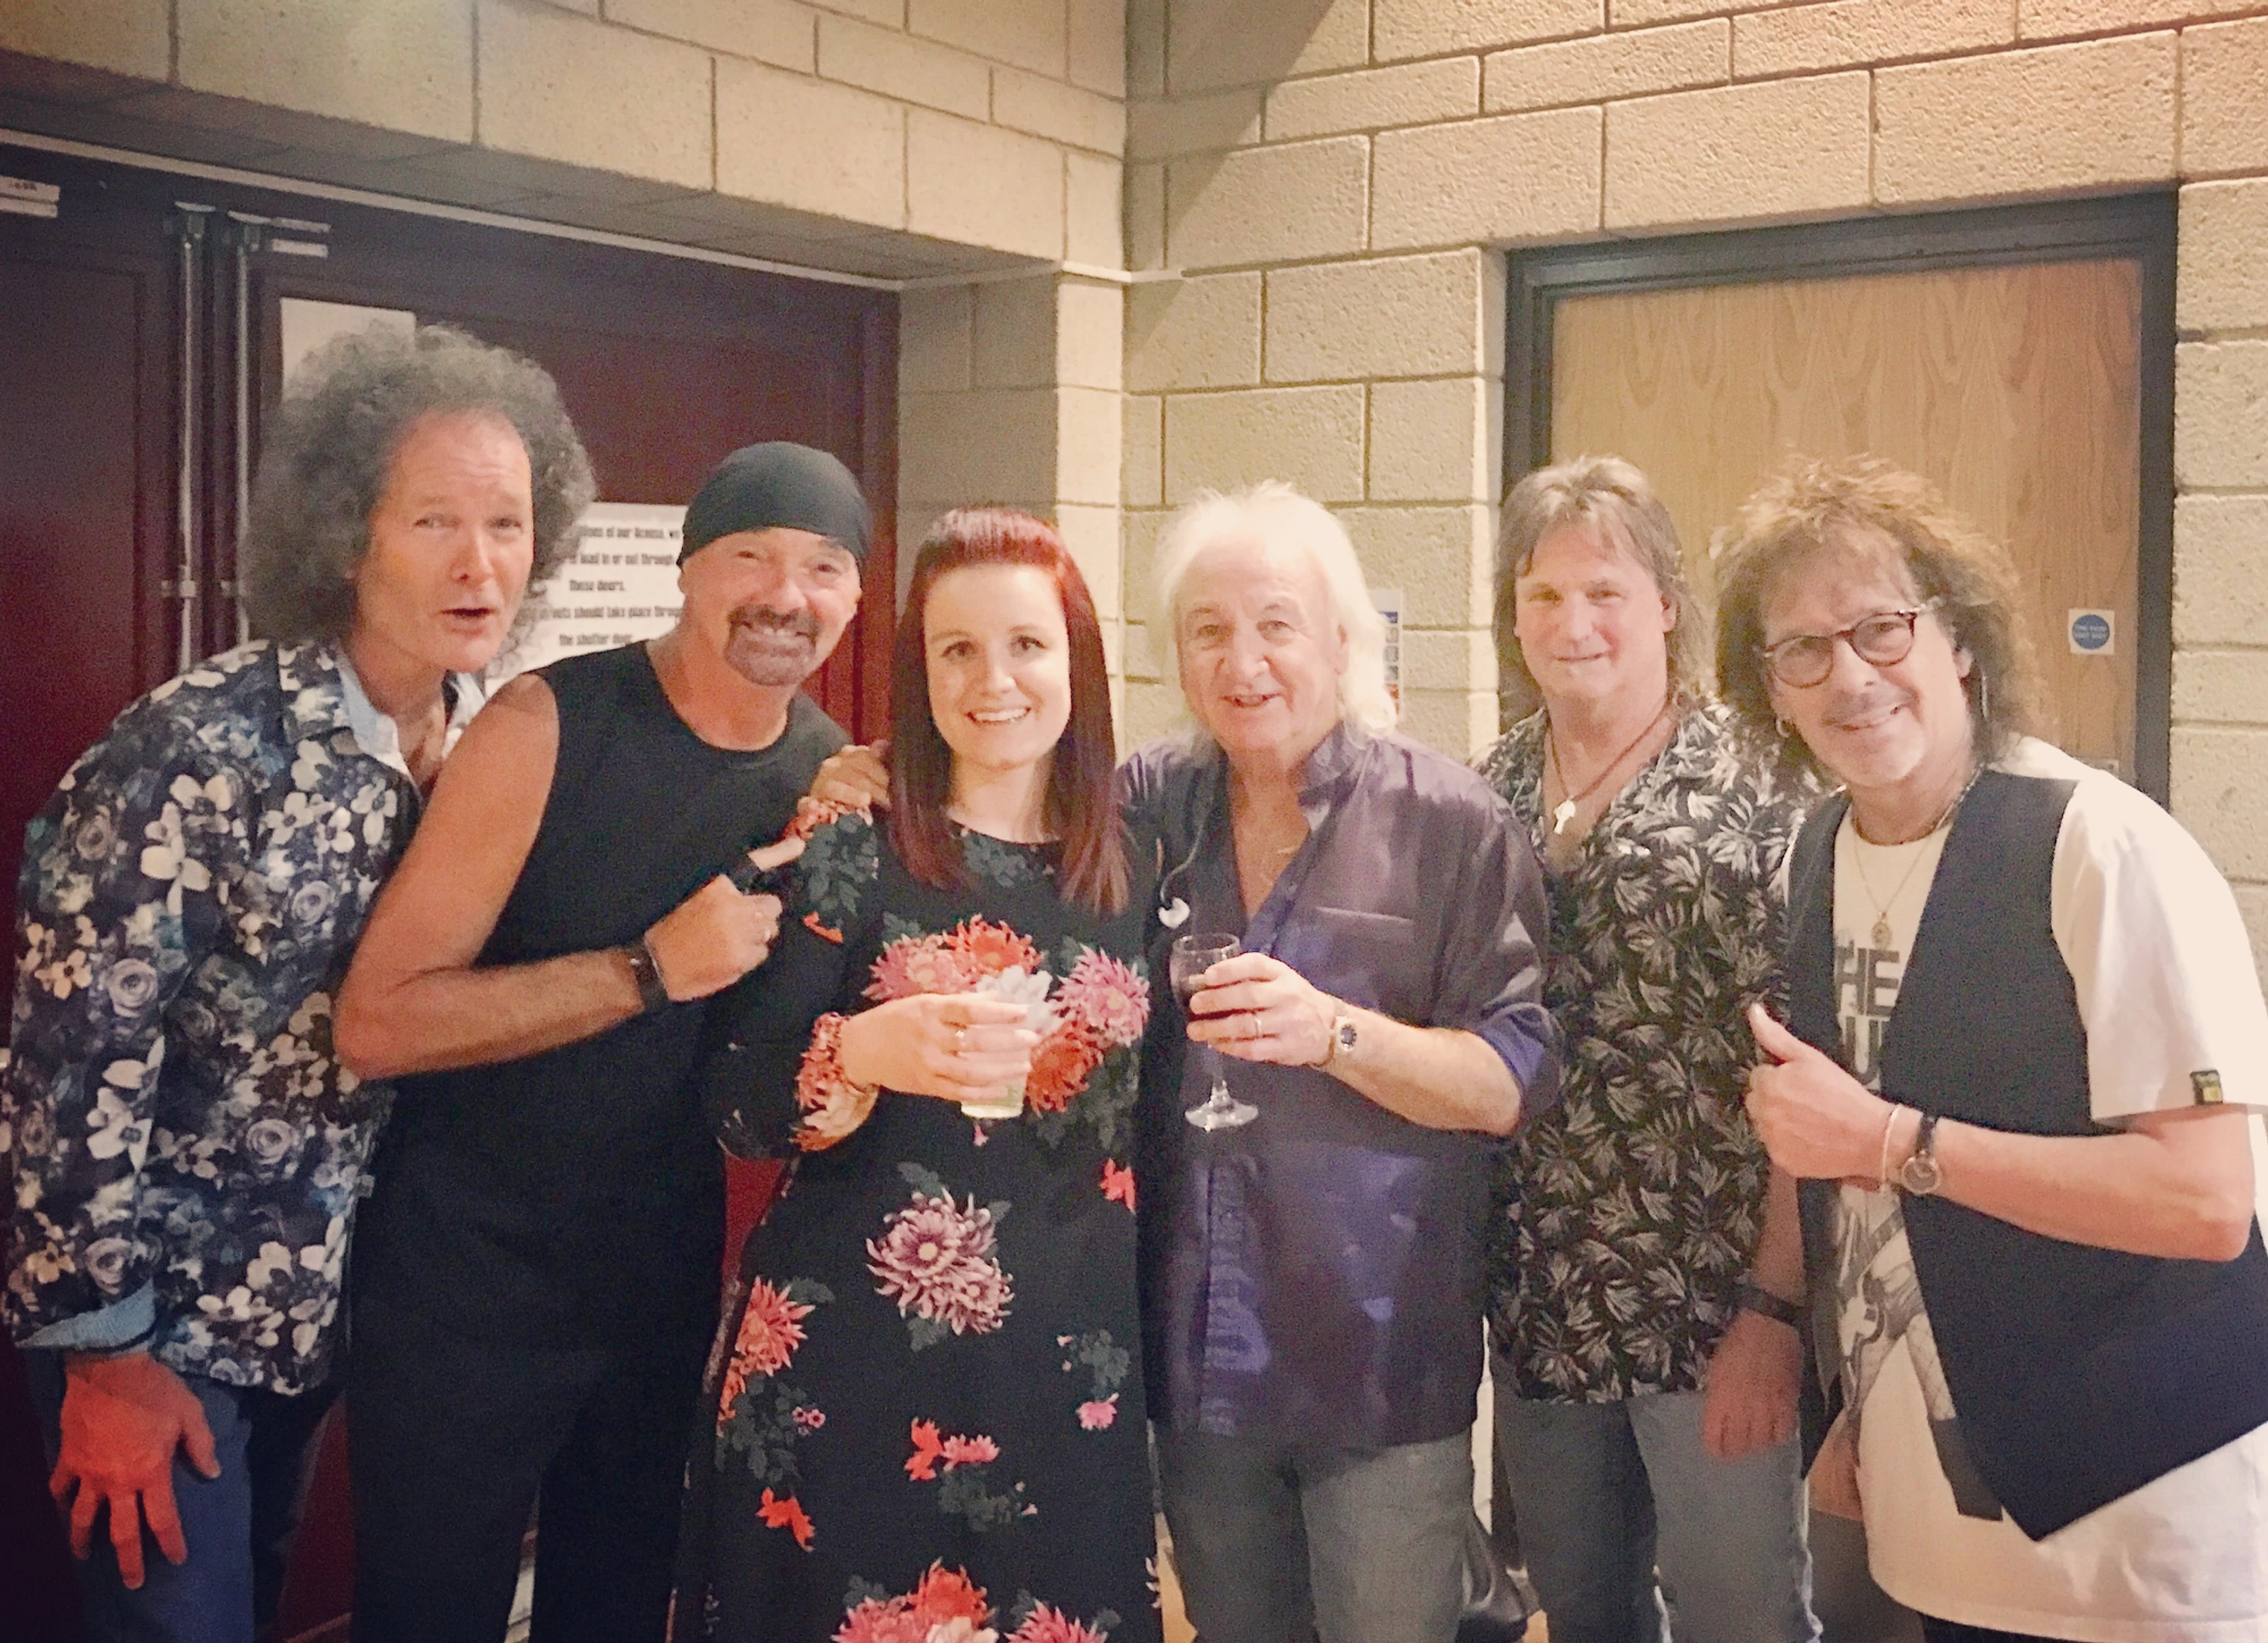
189, 232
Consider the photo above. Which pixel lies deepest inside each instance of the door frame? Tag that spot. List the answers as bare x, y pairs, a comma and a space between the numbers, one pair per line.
391, 253
2140, 226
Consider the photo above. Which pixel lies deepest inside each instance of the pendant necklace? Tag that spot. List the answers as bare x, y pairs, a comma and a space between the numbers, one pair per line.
1562, 813
1882, 932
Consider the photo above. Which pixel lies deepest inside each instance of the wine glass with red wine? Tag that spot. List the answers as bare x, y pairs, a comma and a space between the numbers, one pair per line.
1193, 955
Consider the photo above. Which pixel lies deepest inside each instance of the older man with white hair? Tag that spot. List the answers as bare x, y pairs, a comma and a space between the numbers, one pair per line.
1314, 1277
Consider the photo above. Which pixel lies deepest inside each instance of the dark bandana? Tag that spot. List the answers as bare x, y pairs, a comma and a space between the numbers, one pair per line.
778, 485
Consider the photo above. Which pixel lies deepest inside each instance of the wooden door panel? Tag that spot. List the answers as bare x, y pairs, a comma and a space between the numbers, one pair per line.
86, 318
2016, 390
85, 495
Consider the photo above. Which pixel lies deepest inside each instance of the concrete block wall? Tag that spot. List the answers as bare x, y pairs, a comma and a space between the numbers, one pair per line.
1324, 191
1010, 391
894, 137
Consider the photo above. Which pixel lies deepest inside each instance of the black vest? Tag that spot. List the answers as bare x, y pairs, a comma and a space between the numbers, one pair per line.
2078, 1374
578, 1195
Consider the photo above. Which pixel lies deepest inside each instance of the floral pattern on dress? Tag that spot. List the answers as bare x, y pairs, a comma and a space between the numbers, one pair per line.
1084, 1069
939, 1262
771, 1328
1626, 1217
762, 1416
960, 1467
1106, 1363
971, 1262
173, 1115
835, 861
947, 1607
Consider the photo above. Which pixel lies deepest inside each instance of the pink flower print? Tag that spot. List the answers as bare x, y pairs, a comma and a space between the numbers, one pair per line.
936, 1260
1099, 1414
771, 1328
932, 1451
1109, 996
1061, 1066
921, 964
945, 1606
809, 1418
1047, 1624
995, 947
810, 814
946, 1595
874, 1621
1118, 1183
975, 1451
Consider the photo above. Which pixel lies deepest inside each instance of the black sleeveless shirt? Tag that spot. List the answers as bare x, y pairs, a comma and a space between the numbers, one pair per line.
576, 1197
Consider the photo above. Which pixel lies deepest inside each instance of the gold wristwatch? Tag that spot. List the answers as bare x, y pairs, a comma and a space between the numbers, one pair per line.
1920, 1175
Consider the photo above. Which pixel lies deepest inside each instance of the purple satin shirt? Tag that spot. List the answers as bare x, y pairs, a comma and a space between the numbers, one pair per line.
1318, 1275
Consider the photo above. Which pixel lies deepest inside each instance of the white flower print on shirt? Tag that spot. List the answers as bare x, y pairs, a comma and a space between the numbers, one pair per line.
209, 862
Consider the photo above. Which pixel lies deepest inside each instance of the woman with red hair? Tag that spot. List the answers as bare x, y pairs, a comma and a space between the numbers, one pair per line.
926, 1404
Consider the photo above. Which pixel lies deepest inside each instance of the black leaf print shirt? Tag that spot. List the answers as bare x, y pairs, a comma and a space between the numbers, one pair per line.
1626, 1217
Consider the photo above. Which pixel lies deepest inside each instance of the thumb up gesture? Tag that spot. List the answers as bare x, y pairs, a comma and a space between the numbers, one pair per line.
1817, 1122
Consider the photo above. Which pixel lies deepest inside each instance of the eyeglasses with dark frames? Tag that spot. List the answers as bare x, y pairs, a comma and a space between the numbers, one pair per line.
1883, 639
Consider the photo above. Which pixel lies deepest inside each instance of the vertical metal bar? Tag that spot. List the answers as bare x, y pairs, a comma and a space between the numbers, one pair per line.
191, 230
248, 235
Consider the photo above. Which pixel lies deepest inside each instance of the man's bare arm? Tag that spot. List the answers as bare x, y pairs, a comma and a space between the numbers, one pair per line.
413, 1001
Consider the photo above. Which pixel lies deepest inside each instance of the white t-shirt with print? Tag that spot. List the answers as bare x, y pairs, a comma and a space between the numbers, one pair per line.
2166, 987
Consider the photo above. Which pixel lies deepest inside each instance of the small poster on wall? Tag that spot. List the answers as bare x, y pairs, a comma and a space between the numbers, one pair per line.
620, 587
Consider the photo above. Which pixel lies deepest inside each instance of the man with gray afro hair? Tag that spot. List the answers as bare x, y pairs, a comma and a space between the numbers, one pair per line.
188, 1152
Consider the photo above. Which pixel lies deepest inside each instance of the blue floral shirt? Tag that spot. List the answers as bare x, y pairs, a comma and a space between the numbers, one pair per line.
186, 1151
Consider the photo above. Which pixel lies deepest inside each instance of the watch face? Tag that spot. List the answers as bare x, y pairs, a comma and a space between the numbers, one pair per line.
1921, 1174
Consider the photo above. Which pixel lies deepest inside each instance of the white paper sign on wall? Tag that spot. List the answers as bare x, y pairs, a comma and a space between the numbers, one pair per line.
620, 587
306, 325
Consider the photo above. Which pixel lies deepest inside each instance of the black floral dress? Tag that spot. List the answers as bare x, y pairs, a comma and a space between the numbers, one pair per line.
925, 1404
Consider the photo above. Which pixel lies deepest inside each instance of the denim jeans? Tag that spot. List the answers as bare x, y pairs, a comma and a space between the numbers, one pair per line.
1275, 1544
238, 1527
1609, 1495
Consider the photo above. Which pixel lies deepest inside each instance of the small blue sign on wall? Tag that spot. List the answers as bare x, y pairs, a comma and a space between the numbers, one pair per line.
2092, 633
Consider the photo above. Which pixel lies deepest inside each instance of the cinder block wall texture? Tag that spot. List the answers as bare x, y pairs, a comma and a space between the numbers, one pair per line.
897, 137
1335, 183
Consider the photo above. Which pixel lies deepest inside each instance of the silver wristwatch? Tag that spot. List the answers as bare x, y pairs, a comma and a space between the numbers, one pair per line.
1343, 1037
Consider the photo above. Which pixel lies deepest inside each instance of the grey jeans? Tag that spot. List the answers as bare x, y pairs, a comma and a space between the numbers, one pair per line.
1610, 1494
1275, 1545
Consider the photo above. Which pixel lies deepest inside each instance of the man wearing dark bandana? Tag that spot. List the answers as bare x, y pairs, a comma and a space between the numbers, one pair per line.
535, 1278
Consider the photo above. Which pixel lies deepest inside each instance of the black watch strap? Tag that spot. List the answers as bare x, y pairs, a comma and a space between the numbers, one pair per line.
647, 974
1755, 1298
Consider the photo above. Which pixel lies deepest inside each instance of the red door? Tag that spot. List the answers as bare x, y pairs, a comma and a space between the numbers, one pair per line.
120, 391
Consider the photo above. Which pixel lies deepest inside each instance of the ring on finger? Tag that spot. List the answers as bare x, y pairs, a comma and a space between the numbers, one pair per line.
959, 1040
